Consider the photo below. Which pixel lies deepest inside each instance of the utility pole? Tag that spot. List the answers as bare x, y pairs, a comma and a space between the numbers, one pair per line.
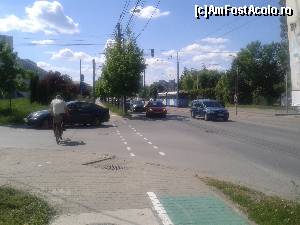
236, 90
119, 33
286, 93
145, 78
177, 80
80, 83
94, 77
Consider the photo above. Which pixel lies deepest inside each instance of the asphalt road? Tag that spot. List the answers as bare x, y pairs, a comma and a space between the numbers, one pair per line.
260, 151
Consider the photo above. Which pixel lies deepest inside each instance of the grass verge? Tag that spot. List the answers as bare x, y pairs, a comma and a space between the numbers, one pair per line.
18, 208
20, 108
260, 208
115, 109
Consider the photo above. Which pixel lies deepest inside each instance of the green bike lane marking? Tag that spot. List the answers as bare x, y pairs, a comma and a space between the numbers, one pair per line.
201, 210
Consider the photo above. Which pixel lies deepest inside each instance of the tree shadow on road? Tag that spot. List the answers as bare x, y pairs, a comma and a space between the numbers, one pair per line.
157, 118
70, 143
214, 121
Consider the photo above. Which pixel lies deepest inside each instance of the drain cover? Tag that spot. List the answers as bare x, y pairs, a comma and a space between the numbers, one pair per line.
101, 224
113, 167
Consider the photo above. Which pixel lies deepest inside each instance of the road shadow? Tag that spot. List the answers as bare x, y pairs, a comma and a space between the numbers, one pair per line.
215, 121
157, 118
68, 142
84, 127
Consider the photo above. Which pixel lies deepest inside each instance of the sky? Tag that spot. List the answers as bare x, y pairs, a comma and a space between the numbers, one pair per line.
54, 34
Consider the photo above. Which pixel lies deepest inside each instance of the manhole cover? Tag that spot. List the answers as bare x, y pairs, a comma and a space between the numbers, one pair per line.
101, 224
113, 167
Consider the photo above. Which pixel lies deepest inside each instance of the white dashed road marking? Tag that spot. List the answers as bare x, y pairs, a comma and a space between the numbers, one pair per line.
128, 148
145, 139
132, 155
125, 143
150, 143
155, 147
162, 153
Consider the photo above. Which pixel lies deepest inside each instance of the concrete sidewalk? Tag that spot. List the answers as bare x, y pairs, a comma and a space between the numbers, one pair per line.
114, 191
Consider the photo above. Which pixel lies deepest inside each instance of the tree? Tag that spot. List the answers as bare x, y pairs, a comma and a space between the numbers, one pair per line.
33, 87
123, 67
55, 83
260, 71
11, 76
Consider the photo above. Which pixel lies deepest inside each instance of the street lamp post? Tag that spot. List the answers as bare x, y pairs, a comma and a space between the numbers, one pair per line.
236, 100
236, 86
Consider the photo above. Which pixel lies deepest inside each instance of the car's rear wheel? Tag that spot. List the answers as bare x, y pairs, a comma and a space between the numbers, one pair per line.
45, 124
206, 118
192, 114
97, 122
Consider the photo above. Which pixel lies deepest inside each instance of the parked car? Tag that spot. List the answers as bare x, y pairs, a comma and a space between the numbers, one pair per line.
80, 113
155, 108
209, 110
137, 106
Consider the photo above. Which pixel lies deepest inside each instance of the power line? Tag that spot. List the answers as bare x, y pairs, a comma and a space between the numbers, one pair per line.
132, 14
125, 8
146, 25
64, 45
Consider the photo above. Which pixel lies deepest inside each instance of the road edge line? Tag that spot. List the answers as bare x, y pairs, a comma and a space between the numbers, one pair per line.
161, 212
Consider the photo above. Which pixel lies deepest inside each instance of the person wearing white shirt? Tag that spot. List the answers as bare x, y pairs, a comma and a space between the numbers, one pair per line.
58, 108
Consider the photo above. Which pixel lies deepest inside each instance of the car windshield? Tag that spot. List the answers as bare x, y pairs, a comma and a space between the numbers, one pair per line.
212, 104
156, 104
137, 103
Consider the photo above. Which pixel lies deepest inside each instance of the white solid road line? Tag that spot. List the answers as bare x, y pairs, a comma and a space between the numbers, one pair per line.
162, 153
128, 148
132, 155
161, 212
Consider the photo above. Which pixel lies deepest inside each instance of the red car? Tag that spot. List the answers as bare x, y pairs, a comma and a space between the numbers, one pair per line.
155, 108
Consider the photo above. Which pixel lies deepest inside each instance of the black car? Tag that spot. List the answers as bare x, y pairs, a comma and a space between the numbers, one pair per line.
209, 110
137, 106
80, 113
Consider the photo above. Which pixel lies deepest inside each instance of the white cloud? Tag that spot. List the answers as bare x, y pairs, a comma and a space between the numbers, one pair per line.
87, 70
43, 42
64, 70
170, 53
70, 55
212, 53
148, 11
42, 16
215, 41
214, 56
156, 62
